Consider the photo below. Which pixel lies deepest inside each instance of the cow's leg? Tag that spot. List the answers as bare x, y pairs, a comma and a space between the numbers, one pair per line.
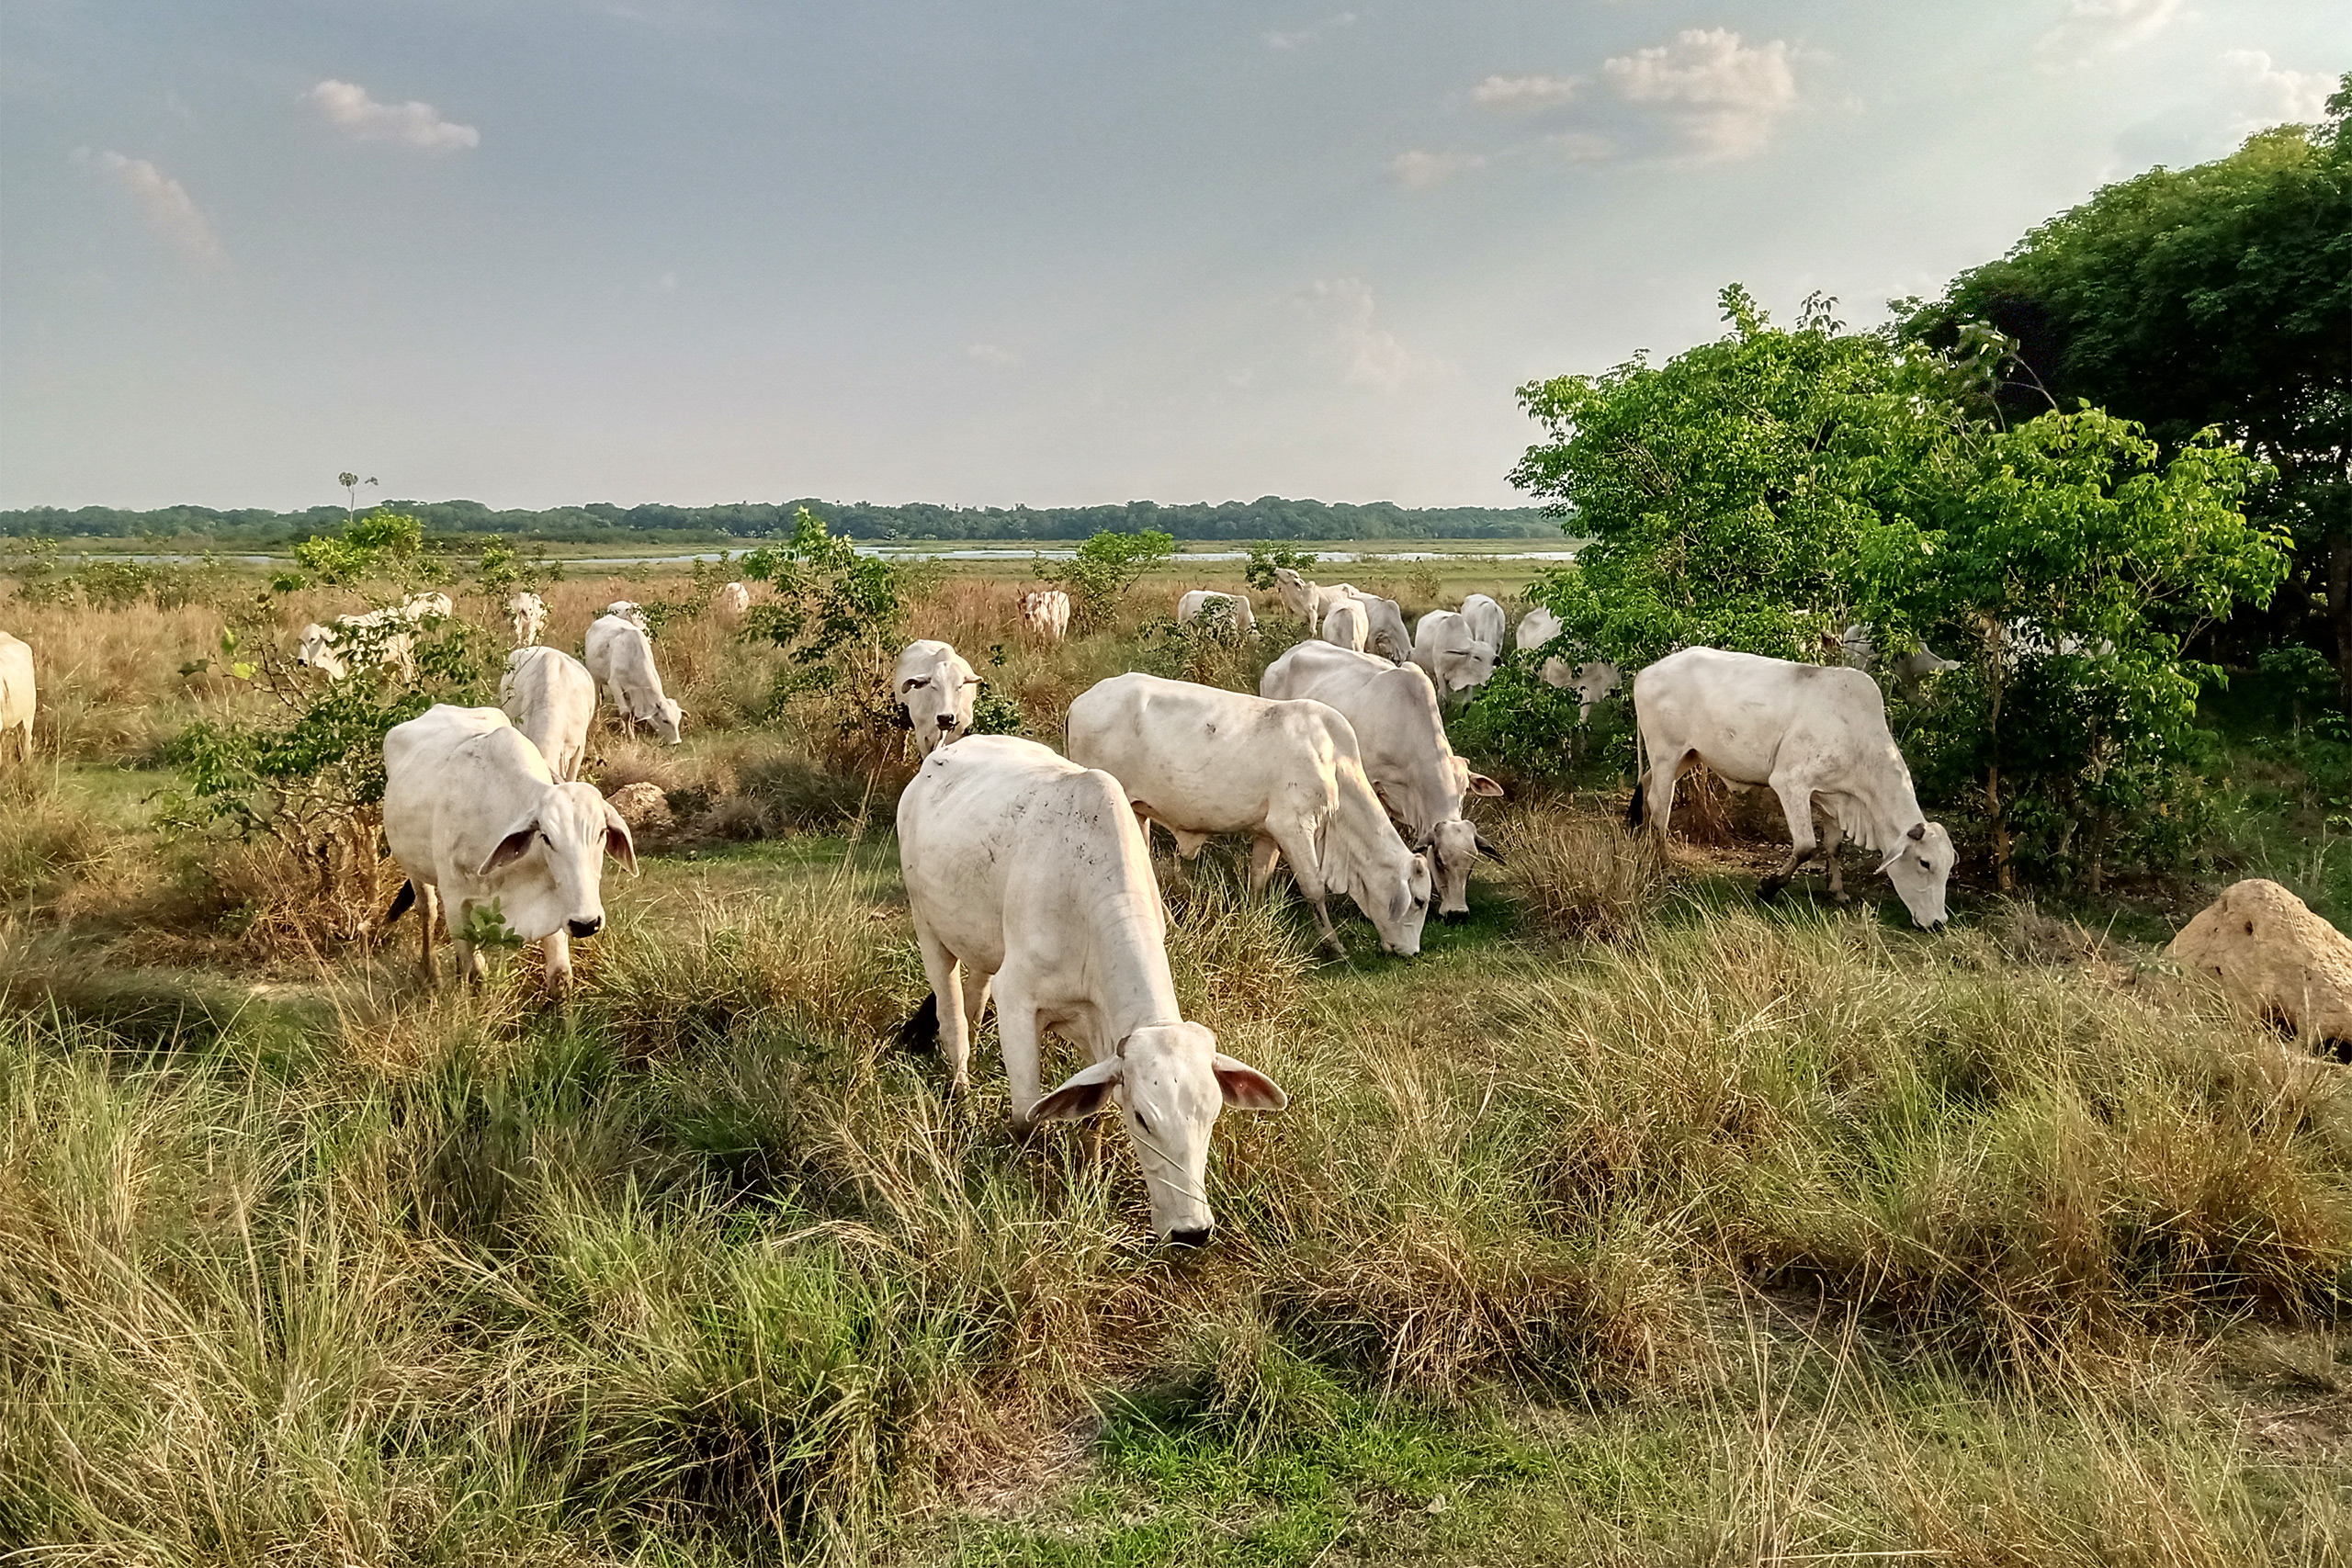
940, 967
428, 915
1832, 835
1264, 855
471, 966
1188, 845
1306, 870
1796, 805
557, 949
1016, 1035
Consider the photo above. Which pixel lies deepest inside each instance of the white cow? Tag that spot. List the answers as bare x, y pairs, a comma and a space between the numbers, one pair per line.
1384, 630
732, 602
1239, 614
1307, 601
1046, 610
620, 660
1028, 873
1591, 681
936, 688
418, 608
1454, 659
1488, 622
1401, 737
1859, 649
477, 823
527, 613
552, 699
1201, 760
377, 639
1343, 625
1815, 734
17, 694
632, 611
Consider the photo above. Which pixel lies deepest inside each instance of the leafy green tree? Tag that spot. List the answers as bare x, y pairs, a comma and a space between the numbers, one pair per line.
382, 544
839, 616
1266, 558
1102, 570
2214, 295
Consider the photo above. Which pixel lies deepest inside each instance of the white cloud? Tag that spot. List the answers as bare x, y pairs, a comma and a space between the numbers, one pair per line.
1300, 38
347, 106
1369, 354
2092, 28
1722, 94
992, 353
1580, 146
2269, 95
161, 201
1418, 171
1521, 94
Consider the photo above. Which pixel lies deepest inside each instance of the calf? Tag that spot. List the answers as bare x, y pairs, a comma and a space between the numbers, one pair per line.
620, 660
1028, 873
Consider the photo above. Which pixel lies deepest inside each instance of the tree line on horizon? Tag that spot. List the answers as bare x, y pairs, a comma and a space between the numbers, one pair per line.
1268, 517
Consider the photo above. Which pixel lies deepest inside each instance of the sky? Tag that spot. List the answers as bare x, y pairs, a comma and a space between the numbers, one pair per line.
1054, 252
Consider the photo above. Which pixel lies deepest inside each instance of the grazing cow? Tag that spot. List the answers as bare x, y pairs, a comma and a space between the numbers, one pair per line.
375, 640
552, 699
1453, 659
1046, 610
936, 688
732, 602
1591, 681
1201, 760
527, 613
477, 823
17, 695
1488, 622
1200, 601
1028, 873
418, 608
1384, 631
1343, 625
1858, 649
1815, 734
620, 659
1306, 601
632, 611
1401, 737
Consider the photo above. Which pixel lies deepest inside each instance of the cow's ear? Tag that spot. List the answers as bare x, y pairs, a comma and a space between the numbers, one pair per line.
1080, 1095
1489, 850
1919, 831
1244, 1087
1481, 785
618, 842
512, 848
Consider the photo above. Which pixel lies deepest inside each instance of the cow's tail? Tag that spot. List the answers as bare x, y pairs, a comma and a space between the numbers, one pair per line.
1638, 810
400, 901
921, 1033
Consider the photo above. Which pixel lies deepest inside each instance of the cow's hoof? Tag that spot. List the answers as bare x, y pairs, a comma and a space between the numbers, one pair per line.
1769, 888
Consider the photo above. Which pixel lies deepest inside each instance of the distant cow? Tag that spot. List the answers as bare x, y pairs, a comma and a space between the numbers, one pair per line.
1815, 734
16, 695
380, 640
1859, 649
1343, 625
936, 686
1591, 681
1201, 760
1238, 612
552, 699
478, 823
1306, 601
1401, 737
1046, 610
1028, 872
632, 611
421, 607
1453, 659
1488, 622
620, 659
732, 602
527, 615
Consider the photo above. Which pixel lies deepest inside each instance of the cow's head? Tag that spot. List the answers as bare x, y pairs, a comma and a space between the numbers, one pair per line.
1453, 845
1168, 1081
1297, 594
314, 648
1919, 865
548, 868
938, 700
666, 717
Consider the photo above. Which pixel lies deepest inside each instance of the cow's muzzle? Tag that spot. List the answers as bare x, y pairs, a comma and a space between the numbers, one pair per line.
1195, 1237
587, 927
948, 721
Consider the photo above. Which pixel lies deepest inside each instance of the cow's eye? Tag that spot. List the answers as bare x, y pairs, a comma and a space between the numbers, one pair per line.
1143, 1122
1923, 865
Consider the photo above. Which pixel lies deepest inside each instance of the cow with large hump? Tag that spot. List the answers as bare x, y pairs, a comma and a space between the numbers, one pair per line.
17, 695
1384, 630
1201, 760
1450, 655
1488, 622
1238, 615
477, 823
620, 656
936, 686
1814, 735
1343, 625
551, 698
1401, 737
1028, 875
